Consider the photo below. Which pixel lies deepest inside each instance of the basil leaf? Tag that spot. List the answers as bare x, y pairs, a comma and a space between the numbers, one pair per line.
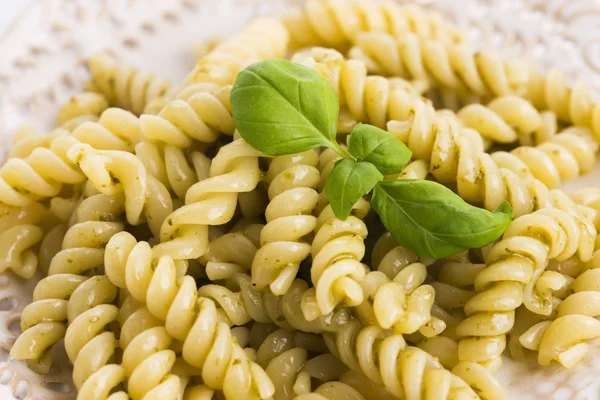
283, 108
379, 147
433, 221
347, 183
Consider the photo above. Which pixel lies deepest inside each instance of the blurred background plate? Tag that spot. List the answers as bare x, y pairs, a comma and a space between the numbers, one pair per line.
44, 45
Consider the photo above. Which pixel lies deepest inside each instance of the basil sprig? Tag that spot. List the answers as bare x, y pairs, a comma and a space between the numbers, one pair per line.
283, 108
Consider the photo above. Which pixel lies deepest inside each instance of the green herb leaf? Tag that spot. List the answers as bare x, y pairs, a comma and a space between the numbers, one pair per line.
348, 182
379, 147
281, 107
433, 221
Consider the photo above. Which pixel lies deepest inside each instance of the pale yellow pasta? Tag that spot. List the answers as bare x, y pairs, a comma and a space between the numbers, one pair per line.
172, 298
334, 23
289, 367
456, 156
292, 182
402, 304
19, 234
336, 271
405, 371
240, 302
514, 266
124, 85
67, 291
184, 234
452, 66
562, 339
332, 391
261, 39
366, 98
86, 106
572, 104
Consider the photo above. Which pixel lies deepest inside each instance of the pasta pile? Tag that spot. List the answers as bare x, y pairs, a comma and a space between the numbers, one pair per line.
178, 261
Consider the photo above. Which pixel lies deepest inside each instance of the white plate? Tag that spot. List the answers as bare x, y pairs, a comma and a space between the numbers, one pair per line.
41, 64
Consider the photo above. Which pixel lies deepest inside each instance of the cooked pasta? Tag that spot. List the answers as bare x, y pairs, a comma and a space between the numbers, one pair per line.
19, 234
289, 367
87, 106
453, 66
367, 98
180, 262
514, 266
68, 291
184, 234
336, 271
124, 85
402, 304
573, 105
406, 371
172, 298
292, 182
241, 302
334, 24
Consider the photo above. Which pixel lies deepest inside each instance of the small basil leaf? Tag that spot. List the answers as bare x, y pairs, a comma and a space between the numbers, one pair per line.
347, 183
283, 108
433, 221
374, 145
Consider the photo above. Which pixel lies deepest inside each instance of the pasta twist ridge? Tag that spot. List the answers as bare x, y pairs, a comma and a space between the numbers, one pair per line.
565, 156
454, 66
68, 291
261, 39
19, 234
402, 304
173, 299
86, 106
576, 314
335, 24
240, 302
213, 201
572, 104
42, 171
292, 182
365, 98
515, 266
456, 157
332, 391
384, 357
288, 352
124, 85
337, 271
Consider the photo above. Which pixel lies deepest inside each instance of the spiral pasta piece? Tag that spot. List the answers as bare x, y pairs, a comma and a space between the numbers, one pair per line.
173, 299
68, 291
19, 234
213, 201
292, 182
515, 265
42, 172
572, 104
455, 156
261, 39
402, 304
335, 23
288, 365
563, 337
366, 98
332, 391
229, 259
86, 106
337, 271
124, 85
405, 371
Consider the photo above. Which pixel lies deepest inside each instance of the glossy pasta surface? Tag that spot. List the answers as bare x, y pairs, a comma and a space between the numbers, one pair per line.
177, 261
